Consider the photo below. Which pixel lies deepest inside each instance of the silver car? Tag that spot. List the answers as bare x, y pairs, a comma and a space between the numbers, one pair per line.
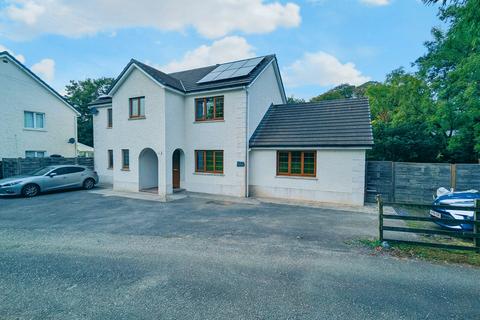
49, 179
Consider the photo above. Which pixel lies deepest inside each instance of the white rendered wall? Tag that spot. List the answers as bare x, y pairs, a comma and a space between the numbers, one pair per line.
340, 177
228, 135
103, 140
136, 135
19, 92
175, 135
263, 92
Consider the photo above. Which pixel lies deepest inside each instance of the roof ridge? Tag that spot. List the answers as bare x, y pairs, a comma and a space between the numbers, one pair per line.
218, 64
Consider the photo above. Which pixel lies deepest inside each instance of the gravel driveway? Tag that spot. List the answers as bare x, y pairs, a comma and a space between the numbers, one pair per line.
82, 255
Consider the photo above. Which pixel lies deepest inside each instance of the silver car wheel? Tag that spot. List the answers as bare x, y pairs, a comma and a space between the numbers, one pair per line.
30, 190
89, 184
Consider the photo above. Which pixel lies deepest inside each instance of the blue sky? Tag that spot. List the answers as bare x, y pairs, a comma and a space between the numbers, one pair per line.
319, 43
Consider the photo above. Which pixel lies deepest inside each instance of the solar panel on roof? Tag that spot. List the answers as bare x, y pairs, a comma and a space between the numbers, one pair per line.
243, 71
231, 70
253, 62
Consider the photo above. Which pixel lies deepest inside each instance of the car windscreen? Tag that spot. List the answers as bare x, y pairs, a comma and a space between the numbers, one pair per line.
41, 172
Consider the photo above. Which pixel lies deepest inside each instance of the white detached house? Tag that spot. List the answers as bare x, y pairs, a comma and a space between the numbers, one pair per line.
36, 121
226, 129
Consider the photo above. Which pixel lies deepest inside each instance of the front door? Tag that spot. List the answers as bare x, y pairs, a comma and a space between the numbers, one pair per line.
176, 169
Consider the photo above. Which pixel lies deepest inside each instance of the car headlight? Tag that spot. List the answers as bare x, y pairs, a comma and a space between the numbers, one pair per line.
10, 184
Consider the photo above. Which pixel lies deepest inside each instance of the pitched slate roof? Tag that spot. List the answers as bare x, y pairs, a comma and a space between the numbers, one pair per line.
334, 123
189, 78
39, 80
186, 81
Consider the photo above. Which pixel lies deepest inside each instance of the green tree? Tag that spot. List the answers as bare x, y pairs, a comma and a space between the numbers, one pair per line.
344, 91
402, 110
80, 94
293, 100
451, 68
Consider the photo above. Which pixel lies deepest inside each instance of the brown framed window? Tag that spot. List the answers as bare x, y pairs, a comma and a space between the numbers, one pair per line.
297, 163
125, 159
109, 118
110, 159
209, 161
137, 107
209, 108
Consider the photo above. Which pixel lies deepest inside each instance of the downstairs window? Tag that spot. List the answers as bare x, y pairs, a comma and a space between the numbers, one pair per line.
296, 163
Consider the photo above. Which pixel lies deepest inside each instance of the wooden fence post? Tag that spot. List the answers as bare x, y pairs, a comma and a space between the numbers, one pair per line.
476, 229
380, 217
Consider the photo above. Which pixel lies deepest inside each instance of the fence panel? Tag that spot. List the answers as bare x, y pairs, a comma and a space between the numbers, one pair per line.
379, 180
416, 183
468, 176
17, 166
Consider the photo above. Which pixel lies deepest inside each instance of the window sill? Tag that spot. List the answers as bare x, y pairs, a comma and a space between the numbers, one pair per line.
209, 174
136, 118
109, 127
208, 121
125, 169
33, 129
296, 177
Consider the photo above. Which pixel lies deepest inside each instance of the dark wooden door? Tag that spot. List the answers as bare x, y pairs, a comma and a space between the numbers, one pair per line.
176, 169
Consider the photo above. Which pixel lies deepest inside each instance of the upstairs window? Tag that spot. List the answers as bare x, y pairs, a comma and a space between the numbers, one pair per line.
33, 120
209, 161
109, 118
296, 163
137, 108
210, 108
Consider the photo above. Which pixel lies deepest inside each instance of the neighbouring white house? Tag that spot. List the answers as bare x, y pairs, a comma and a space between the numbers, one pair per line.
84, 151
226, 129
35, 120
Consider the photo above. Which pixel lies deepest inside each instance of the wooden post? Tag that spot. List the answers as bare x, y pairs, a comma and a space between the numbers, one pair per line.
453, 176
476, 229
380, 217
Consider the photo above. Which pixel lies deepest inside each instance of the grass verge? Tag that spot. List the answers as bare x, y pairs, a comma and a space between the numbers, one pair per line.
424, 253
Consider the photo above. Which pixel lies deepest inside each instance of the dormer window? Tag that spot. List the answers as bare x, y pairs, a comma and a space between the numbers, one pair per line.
209, 108
137, 108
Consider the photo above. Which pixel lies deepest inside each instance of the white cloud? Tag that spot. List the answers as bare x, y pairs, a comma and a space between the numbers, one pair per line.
211, 18
223, 50
45, 69
376, 2
19, 57
322, 69
28, 12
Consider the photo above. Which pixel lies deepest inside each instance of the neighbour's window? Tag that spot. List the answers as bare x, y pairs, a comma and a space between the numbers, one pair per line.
125, 159
296, 163
109, 118
210, 161
137, 107
110, 159
34, 154
33, 120
210, 108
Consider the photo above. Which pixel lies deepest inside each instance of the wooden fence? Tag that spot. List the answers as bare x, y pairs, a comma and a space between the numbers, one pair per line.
16, 166
475, 234
416, 183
